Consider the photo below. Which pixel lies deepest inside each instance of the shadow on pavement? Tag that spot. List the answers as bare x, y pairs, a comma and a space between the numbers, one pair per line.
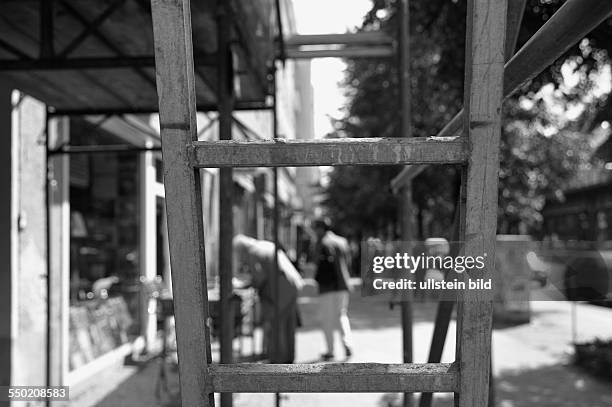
367, 313
557, 385
549, 386
140, 389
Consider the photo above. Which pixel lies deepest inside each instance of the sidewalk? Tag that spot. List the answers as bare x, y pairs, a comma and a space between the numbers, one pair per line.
530, 360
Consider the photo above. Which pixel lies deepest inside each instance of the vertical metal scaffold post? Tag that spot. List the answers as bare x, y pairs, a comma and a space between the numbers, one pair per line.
226, 187
276, 279
407, 226
281, 55
46, 29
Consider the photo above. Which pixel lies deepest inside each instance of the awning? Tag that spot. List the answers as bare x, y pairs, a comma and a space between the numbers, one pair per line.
97, 56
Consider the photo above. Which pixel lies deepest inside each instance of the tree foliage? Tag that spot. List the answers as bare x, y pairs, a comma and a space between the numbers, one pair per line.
540, 149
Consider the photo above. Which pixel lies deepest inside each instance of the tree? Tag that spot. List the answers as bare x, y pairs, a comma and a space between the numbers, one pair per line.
535, 140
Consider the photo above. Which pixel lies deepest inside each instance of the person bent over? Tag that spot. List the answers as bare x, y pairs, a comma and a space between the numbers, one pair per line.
256, 257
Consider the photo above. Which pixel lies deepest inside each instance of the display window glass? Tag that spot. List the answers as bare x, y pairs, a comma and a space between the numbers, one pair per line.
105, 288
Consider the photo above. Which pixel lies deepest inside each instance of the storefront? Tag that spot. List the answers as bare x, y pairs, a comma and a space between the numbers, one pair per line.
108, 237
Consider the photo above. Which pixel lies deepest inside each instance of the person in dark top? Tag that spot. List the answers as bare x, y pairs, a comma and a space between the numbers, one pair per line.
333, 259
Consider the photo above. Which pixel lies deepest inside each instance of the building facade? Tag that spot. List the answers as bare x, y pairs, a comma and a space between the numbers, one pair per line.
84, 230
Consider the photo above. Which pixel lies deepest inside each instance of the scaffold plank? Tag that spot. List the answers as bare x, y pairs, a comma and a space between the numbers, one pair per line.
333, 378
334, 152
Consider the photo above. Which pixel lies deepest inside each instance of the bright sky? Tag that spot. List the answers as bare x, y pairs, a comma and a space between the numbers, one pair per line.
328, 17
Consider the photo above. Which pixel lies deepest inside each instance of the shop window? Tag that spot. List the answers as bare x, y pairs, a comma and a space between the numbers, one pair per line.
105, 289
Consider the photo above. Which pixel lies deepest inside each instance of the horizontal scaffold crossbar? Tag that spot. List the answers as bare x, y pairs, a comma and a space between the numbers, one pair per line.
376, 51
334, 152
360, 38
333, 378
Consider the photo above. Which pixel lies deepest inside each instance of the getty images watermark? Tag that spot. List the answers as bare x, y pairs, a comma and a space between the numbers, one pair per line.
518, 269
432, 269
405, 262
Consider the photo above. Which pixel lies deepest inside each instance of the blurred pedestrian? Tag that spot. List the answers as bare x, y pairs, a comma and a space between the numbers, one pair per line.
333, 260
256, 257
